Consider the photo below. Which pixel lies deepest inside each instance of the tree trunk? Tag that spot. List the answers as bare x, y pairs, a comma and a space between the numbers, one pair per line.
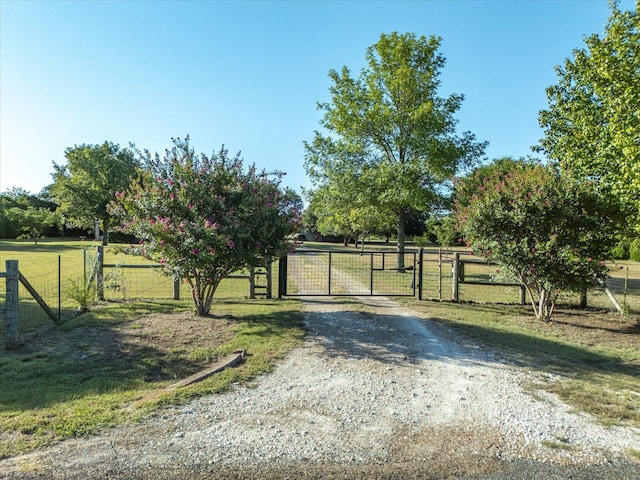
401, 239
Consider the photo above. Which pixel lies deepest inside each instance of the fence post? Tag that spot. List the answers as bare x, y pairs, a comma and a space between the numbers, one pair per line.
176, 287
269, 277
11, 305
282, 276
440, 274
455, 268
100, 273
420, 271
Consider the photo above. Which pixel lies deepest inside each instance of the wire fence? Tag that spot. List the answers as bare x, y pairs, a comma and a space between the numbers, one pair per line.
61, 281
481, 282
66, 284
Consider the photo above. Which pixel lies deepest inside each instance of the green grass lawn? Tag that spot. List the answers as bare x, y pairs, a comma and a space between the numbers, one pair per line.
86, 375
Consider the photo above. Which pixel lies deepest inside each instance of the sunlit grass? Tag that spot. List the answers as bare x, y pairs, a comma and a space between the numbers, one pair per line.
594, 374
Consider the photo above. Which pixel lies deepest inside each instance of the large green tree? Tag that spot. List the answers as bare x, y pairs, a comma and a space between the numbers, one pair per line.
544, 228
592, 125
391, 139
88, 182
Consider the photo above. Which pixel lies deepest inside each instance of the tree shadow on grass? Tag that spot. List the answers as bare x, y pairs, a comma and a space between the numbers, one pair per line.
356, 334
107, 351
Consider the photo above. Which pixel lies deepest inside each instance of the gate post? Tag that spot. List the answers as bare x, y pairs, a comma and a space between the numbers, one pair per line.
455, 269
371, 271
11, 304
282, 276
420, 271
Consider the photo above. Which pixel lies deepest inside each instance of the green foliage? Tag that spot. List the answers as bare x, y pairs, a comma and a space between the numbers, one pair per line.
336, 215
206, 217
84, 187
83, 293
444, 230
548, 230
33, 221
592, 125
395, 142
621, 250
634, 250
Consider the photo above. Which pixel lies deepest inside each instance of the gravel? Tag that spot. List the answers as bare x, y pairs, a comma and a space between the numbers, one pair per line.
374, 392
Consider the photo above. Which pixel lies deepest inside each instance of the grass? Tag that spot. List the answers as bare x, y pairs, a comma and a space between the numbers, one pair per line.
590, 359
41, 263
85, 375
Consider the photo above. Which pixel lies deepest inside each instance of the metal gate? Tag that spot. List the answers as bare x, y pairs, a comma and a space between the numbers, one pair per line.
347, 273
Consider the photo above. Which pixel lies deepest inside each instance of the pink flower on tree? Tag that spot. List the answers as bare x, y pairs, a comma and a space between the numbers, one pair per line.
231, 244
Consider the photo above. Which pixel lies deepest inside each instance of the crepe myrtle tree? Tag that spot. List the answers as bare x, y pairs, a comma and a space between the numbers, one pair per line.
546, 229
206, 217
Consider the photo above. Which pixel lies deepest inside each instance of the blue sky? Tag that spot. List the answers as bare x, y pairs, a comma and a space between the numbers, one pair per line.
248, 74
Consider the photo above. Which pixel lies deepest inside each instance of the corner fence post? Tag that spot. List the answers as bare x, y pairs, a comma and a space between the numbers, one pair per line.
11, 305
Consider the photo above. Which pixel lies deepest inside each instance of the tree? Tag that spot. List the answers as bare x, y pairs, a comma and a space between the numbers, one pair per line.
338, 213
84, 187
548, 230
394, 137
592, 125
206, 217
33, 221
443, 230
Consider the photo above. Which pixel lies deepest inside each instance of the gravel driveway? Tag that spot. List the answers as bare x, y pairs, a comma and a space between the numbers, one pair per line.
374, 392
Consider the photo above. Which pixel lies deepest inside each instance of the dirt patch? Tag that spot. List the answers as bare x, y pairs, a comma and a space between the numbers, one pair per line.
172, 345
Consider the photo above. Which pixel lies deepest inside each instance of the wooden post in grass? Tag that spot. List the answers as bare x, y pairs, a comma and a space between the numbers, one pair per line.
100, 273
455, 274
440, 274
176, 287
11, 305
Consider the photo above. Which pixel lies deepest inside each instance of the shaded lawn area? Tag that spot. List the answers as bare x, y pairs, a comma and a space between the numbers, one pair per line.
84, 376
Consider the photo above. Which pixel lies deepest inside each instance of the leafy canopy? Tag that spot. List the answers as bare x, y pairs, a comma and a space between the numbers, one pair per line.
206, 217
88, 182
548, 230
392, 140
33, 221
592, 125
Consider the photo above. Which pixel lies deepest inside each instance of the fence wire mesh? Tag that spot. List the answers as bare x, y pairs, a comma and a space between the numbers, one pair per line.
62, 279
66, 283
315, 272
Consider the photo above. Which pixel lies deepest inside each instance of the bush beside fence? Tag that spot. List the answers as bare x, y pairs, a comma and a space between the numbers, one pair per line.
57, 283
